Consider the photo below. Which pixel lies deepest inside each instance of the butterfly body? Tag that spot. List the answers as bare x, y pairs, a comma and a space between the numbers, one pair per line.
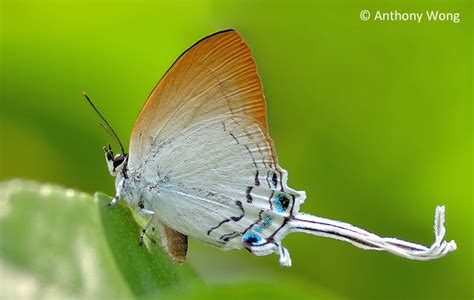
201, 163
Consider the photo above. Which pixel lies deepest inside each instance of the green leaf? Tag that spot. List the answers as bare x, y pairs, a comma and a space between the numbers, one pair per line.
58, 242
61, 243
262, 290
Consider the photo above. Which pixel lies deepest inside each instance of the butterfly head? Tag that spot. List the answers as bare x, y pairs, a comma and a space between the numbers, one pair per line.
115, 163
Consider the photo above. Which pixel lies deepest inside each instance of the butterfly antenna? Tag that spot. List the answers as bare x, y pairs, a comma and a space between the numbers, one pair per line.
105, 124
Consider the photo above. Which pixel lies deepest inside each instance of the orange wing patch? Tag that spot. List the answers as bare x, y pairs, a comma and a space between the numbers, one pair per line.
216, 77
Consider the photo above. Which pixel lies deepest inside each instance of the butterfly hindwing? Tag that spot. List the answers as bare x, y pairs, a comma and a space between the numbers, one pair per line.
223, 178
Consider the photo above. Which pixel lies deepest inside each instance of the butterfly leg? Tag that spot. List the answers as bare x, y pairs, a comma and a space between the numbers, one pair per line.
118, 192
145, 212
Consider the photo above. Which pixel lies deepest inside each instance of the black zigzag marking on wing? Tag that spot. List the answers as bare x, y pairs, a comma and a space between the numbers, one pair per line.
248, 193
235, 218
257, 181
238, 218
217, 226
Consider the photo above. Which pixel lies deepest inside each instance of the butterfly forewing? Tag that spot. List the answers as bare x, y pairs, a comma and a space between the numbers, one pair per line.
215, 77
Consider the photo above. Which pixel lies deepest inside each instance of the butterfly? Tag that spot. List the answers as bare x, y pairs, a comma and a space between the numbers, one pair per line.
201, 163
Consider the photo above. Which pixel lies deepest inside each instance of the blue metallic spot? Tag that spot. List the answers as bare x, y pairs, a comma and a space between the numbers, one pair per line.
281, 202
251, 238
267, 220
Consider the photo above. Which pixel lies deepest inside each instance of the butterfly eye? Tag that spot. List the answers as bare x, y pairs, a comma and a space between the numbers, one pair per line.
141, 205
252, 238
281, 202
118, 160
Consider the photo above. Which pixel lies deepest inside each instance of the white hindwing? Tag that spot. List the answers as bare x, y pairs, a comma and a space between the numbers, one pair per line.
219, 181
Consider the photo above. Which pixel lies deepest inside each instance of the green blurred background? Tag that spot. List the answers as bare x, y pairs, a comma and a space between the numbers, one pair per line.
372, 119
